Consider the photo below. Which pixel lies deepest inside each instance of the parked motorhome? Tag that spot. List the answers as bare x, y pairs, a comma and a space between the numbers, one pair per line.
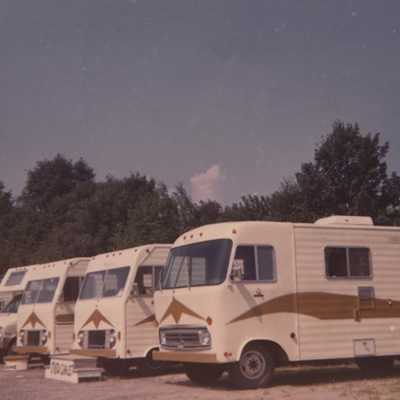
114, 316
46, 314
11, 288
244, 297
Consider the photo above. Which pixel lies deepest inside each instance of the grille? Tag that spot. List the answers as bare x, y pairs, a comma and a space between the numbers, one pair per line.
33, 338
184, 338
97, 339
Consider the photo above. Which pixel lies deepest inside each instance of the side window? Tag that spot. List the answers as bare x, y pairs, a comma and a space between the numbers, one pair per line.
147, 279
256, 262
347, 262
15, 278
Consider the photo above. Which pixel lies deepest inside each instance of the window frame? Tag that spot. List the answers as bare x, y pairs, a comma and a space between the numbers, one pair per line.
257, 263
348, 264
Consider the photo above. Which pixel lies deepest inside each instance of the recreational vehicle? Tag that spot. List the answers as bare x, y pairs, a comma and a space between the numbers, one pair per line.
114, 315
244, 297
11, 288
46, 314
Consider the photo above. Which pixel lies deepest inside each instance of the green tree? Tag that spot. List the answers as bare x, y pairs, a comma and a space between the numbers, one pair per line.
348, 177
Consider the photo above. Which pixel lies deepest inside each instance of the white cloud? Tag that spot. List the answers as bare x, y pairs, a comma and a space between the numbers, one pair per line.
208, 185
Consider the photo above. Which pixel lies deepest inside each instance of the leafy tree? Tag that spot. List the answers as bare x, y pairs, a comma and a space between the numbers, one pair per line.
53, 178
251, 208
348, 177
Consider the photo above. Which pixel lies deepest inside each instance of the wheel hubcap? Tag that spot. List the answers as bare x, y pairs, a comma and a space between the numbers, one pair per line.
252, 364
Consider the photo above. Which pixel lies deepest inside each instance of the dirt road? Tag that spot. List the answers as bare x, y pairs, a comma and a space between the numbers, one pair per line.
298, 383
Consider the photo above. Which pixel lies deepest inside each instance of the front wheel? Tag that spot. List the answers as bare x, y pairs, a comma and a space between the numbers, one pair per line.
10, 348
254, 369
149, 366
204, 374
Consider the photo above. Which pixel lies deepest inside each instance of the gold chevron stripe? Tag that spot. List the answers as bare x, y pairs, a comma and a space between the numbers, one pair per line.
323, 306
152, 318
176, 309
96, 318
33, 319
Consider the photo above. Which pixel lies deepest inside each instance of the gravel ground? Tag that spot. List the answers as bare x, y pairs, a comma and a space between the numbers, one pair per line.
297, 383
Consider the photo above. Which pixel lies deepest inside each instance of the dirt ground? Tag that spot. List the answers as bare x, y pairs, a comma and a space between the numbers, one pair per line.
298, 383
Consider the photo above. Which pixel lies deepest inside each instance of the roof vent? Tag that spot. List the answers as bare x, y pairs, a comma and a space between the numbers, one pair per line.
344, 220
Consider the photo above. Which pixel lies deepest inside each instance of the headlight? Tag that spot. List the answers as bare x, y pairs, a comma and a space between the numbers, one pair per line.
44, 337
113, 338
163, 339
21, 336
205, 337
80, 338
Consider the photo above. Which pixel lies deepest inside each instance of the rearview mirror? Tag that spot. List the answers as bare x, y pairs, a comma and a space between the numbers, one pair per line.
134, 289
237, 271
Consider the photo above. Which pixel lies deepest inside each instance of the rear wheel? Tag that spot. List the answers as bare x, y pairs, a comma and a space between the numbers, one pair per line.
203, 374
254, 369
374, 364
149, 366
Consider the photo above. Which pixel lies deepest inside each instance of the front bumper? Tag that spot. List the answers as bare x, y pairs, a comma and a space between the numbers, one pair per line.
31, 349
184, 357
94, 352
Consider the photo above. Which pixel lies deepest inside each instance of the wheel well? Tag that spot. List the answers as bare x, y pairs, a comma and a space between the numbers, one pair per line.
276, 350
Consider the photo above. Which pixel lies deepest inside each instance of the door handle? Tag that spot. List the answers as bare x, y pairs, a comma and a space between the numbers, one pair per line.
258, 293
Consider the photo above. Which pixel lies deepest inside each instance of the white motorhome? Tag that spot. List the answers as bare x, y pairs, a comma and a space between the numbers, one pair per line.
244, 297
11, 288
46, 314
114, 316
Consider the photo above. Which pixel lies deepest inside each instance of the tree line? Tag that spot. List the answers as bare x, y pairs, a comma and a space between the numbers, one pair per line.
63, 212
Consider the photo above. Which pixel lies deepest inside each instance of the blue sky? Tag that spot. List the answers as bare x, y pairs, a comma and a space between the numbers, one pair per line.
229, 97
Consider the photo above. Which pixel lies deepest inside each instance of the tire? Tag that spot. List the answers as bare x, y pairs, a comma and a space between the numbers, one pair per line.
115, 366
10, 348
148, 366
374, 364
254, 369
204, 374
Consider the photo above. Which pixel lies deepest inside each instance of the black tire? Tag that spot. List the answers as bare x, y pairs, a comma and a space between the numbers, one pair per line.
10, 348
254, 369
374, 364
149, 366
204, 374
115, 366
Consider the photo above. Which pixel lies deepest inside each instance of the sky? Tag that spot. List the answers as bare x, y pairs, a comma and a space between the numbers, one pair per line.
228, 97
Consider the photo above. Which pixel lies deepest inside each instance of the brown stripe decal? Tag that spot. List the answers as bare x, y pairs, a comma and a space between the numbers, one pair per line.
176, 309
96, 318
152, 318
324, 306
33, 319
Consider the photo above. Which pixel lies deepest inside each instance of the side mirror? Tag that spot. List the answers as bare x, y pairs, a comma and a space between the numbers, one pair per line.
237, 271
134, 289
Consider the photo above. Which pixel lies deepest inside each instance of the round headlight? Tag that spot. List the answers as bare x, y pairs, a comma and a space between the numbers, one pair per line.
113, 338
80, 338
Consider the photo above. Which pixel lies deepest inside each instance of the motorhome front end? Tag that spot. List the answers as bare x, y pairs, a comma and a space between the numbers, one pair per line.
46, 314
11, 288
246, 296
114, 317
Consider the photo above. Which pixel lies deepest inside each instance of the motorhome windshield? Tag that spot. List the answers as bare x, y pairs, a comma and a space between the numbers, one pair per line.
40, 291
12, 306
197, 264
105, 283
